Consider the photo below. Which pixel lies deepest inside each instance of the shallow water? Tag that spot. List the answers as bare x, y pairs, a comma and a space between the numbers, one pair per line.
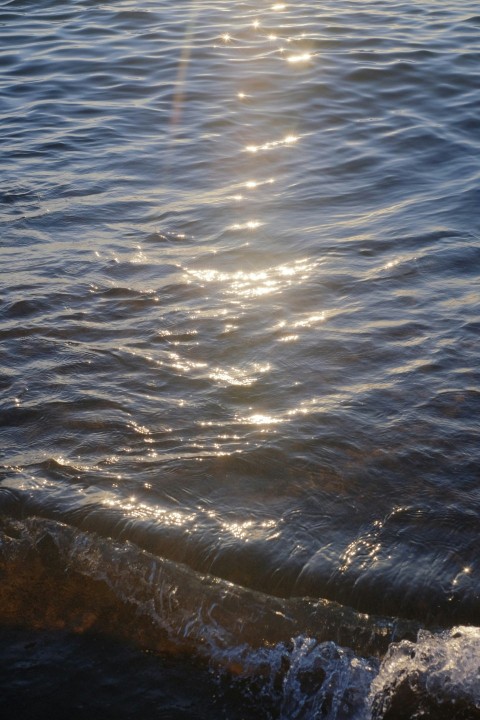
240, 316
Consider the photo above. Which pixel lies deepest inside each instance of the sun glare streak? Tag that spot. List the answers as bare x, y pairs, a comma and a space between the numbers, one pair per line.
239, 376
310, 320
257, 283
142, 511
288, 140
250, 225
254, 184
249, 529
301, 57
182, 72
261, 419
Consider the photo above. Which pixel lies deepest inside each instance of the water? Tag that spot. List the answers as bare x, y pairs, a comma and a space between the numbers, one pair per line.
239, 350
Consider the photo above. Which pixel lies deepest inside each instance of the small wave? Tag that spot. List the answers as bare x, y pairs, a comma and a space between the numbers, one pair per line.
188, 609
288, 659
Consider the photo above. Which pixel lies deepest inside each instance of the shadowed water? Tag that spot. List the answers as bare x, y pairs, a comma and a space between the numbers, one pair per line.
240, 314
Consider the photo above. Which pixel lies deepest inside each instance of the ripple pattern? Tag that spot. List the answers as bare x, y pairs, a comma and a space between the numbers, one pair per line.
239, 306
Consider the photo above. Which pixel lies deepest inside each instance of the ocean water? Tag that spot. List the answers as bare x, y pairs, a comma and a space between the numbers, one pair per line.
240, 359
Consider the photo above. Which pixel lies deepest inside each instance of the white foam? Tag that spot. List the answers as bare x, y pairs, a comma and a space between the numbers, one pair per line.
443, 666
306, 679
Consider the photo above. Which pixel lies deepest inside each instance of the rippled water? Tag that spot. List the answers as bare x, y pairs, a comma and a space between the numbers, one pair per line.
240, 309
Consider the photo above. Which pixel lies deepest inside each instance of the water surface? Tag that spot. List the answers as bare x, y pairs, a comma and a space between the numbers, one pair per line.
240, 316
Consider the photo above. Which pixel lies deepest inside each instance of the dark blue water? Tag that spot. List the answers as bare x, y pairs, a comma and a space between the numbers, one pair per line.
240, 315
